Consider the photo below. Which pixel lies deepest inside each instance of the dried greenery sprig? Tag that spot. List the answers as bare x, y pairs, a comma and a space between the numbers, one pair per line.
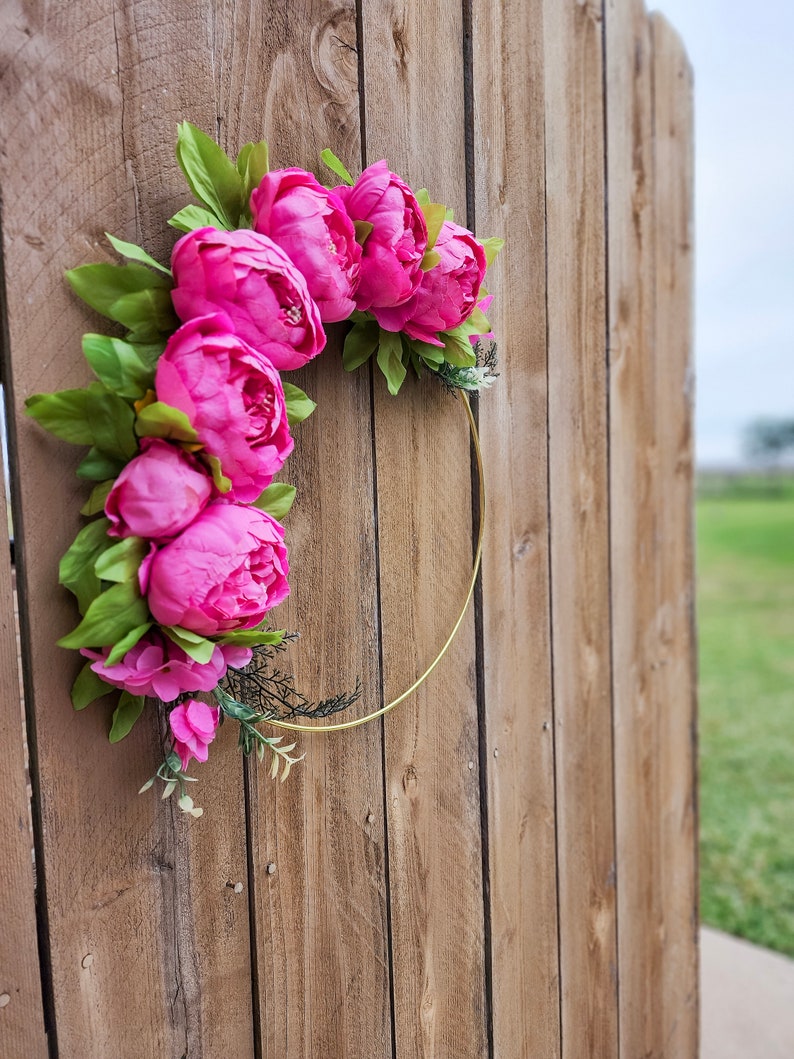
273, 691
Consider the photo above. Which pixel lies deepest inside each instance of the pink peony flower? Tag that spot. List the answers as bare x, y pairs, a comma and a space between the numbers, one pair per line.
247, 276
193, 725
225, 571
447, 293
156, 666
310, 224
232, 396
393, 251
158, 493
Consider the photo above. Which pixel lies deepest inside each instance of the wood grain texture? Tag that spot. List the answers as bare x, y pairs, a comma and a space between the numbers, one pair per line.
576, 280
508, 90
416, 121
323, 980
636, 500
22, 1030
138, 902
677, 991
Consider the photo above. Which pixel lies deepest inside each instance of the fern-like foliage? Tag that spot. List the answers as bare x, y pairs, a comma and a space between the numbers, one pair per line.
270, 691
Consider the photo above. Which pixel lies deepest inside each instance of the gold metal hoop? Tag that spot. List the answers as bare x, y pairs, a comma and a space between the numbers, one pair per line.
295, 727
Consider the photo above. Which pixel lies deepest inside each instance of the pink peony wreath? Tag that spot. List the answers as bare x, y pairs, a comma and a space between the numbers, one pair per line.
189, 420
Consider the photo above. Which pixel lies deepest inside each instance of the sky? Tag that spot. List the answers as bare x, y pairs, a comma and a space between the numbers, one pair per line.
743, 58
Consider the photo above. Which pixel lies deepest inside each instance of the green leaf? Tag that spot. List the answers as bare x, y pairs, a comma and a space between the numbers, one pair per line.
111, 419
96, 501
336, 166
251, 637
112, 615
121, 561
197, 647
160, 420
147, 314
361, 342
126, 369
277, 499
191, 217
125, 715
476, 323
458, 350
63, 414
363, 231
253, 162
124, 293
221, 482
212, 176
435, 215
430, 260
89, 416
299, 406
491, 248
432, 355
135, 253
88, 687
76, 569
390, 360
97, 466
126, 643
237, 710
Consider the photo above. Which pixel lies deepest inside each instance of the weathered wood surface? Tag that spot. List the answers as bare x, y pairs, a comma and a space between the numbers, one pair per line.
149, 946
505, 866
636, 497
509, 202
579, 520
425, 516
676, 987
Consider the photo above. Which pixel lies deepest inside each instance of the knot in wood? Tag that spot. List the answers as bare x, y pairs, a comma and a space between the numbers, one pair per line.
410, 781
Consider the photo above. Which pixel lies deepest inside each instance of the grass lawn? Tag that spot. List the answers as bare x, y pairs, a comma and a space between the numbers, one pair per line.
746, 631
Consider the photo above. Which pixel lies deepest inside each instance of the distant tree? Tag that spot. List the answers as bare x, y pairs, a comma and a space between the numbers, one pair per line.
766, 441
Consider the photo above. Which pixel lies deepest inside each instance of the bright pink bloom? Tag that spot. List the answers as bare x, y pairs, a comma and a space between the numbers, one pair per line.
193, 725
225, 571
232, 396
447, 293
393, 250
247, 276
310, 224
156, 666
158, 493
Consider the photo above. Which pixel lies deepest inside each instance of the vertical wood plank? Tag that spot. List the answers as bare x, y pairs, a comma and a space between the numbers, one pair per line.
579, 525
677, 992
138, 896
414, 96
508, 75
21, 1014
323, 981
637, 487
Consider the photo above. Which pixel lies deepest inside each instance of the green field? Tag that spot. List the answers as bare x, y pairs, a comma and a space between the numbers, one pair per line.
746, 631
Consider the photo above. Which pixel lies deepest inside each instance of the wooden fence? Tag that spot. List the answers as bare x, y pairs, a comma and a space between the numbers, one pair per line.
505, 866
